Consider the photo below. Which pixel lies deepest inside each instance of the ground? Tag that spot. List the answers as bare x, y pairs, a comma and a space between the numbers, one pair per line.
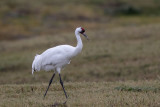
117, 94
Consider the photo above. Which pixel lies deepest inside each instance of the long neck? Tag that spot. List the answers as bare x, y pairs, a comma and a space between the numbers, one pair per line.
79, 46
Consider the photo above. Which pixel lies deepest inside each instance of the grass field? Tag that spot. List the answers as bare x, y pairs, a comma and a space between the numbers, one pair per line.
119, 66
118, 53
116, 94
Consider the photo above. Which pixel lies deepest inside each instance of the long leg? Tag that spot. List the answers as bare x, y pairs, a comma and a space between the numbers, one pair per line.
62, 85
49, 84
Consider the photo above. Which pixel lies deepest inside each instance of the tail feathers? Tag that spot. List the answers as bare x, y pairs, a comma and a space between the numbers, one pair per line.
36, 65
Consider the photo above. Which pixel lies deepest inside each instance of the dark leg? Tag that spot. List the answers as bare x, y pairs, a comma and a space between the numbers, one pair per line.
62, 86
49, 84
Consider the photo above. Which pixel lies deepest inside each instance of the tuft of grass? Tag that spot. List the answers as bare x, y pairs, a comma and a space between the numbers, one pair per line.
138, 89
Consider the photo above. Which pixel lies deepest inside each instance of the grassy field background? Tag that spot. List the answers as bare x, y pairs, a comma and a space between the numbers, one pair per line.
119, 66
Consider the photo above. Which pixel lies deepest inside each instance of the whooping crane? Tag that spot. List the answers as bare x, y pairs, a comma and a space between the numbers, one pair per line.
58, 57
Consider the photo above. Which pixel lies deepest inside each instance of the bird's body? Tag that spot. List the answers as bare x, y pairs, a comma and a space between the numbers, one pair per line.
58, 57
53, 58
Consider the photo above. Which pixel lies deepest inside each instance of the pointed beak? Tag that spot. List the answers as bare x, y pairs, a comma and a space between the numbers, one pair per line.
85, 36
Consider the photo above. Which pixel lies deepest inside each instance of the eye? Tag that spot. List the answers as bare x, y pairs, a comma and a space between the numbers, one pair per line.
82, 30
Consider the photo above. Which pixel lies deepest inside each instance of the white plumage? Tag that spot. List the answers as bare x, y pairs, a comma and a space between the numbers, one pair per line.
53, 58
57, 57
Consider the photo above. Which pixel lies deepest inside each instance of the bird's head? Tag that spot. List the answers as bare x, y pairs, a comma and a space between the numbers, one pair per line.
81, 31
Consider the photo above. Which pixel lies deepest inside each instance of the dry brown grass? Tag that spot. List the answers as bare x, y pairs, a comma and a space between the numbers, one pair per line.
81, 94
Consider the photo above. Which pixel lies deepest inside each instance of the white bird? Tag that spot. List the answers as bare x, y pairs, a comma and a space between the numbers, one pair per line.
58, 57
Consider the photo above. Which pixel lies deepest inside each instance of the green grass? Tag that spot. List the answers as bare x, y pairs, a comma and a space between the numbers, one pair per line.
80, 94
138, 89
